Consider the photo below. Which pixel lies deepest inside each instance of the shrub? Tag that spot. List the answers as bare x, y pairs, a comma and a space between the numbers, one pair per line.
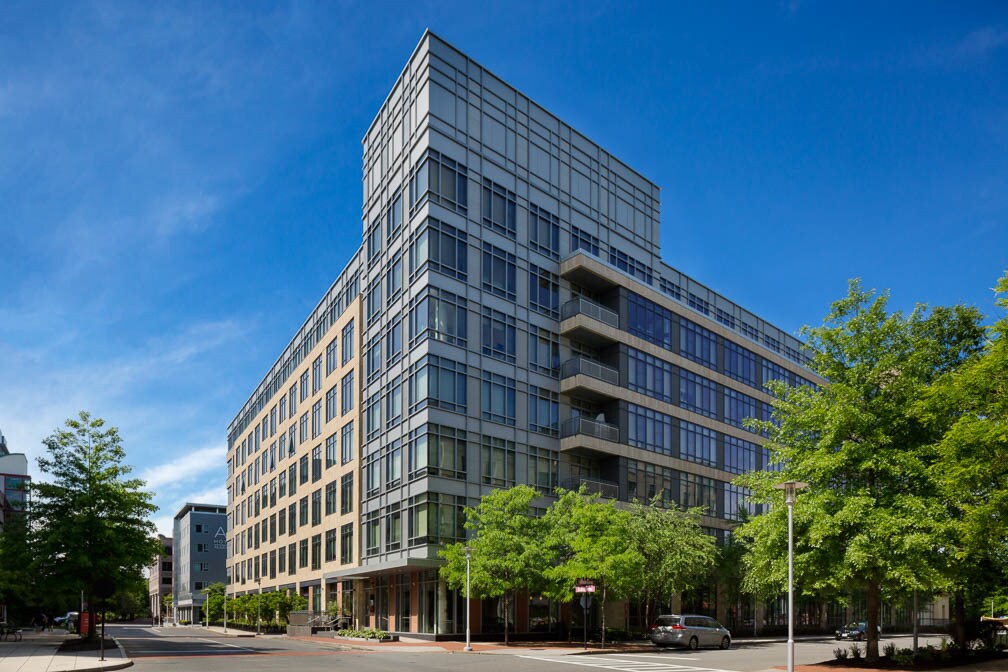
840, 653
904, 657
855, 651
365, 633
889, 650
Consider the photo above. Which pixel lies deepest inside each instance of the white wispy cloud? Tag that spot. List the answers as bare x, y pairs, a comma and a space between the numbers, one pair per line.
185, 469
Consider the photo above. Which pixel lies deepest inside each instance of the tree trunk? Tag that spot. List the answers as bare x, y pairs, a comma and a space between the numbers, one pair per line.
872, 634
507, 612
959, 614
602, 608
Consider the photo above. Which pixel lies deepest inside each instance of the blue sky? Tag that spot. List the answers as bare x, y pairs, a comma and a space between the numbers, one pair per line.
180, 182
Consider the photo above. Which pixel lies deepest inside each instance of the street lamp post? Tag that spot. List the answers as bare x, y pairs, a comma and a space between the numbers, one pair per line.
258, 606
790, 488
468, 552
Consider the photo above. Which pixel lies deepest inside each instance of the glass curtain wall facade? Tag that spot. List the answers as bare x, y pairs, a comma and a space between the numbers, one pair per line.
512, 322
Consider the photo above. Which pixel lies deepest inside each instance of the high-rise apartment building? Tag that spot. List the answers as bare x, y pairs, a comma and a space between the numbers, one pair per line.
199, 557
507, 319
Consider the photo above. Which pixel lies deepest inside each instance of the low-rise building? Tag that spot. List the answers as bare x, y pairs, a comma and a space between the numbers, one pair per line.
199, 557
159, 582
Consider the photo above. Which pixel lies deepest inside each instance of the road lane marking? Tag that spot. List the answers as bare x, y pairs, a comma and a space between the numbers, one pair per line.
617, 662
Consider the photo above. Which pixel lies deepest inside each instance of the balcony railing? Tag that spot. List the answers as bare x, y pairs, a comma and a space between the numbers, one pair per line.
597, 370
607, 489
587, 427
582, 306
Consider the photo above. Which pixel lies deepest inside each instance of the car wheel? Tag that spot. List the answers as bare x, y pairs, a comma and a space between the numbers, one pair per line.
694, 643
725, 643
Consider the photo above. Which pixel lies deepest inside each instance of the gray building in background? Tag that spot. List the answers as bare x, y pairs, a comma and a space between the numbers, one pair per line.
159, 581
199, 557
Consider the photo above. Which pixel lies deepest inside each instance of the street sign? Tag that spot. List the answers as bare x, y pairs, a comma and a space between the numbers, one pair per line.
585, 601
584, 586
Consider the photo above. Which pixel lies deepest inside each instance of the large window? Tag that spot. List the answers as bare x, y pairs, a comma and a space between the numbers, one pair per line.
631, 265
348, 344
347, 393
736, 502
645, 481
649, 321
650, 375
316, 464
543, 465
331, 498
346, 544
346, 493
543, 410
372, 416
498, 398
740, 363
697, 343
331, 537
372, 530
499, 272
437, 381
331, 361
739, 455
347, 443
738, 407
316, 375
393, 527
438, 314
649, 429
698, 491
582, 240
544, 351
437, 450
439, 247
330, 403
698, 394
697, 444
544, 291
373, 358
498, 208
498, 461
374, 303
316, 507
440, 180
393, 464
544, 231
435, 518
393, 404
372, 470
499, 335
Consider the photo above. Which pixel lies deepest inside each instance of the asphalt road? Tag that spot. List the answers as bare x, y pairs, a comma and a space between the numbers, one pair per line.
185, 649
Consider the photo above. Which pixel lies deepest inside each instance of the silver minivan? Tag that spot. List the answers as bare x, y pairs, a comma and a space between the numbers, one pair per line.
689, 630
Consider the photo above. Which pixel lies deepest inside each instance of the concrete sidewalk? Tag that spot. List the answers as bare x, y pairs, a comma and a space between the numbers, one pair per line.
38, 652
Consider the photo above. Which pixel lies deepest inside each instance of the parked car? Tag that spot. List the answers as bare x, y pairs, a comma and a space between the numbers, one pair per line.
855, 631
689, 630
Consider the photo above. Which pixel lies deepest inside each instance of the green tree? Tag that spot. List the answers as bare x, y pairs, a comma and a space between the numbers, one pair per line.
506, 550
872, 516
213, 607
969, 406
91, 520
676, 553
592, 541
166, 603
17, 580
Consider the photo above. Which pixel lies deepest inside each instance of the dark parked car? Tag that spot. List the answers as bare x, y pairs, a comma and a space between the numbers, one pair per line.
689, 630
854, 631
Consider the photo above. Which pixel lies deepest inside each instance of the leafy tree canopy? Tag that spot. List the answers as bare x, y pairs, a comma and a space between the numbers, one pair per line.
92, 520
872, 515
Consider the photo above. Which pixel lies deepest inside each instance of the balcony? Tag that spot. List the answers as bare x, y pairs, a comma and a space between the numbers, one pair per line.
590, 438
589, 322
588, 379
607, 489
589, 271
582, 426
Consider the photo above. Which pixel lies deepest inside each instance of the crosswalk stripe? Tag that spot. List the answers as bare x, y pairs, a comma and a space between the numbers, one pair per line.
626, 663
